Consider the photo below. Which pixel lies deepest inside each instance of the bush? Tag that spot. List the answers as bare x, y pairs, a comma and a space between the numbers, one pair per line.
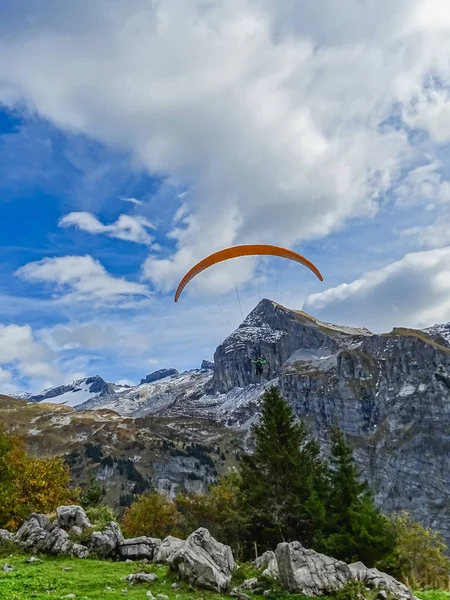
420, 558
153, 515
99, 516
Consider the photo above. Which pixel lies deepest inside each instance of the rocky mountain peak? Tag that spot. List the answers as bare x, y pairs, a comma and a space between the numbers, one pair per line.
274, 333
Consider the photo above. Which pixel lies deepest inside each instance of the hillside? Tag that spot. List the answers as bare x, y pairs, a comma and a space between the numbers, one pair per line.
389, 392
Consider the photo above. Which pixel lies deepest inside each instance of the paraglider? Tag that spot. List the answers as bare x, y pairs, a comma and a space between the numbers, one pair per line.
244, 250
259, 365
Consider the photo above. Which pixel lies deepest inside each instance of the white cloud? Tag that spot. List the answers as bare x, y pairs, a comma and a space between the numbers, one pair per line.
19, 349
270, 114
81, 278
414, 292
431, 236
132, 229
134, 201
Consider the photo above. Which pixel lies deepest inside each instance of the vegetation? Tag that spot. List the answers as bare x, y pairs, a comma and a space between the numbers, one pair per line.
152, 514
284, 490
420, 558
29, 484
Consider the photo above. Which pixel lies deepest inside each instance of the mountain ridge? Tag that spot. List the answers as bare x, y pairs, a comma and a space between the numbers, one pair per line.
389, 393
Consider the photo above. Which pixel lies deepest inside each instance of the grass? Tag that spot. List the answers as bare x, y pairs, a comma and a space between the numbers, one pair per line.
433, 595
88, 579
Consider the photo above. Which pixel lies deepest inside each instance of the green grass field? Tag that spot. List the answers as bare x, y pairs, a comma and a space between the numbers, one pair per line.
88, 579
94, 580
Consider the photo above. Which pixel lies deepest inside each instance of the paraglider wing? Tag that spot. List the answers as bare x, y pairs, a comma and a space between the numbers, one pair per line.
244, 250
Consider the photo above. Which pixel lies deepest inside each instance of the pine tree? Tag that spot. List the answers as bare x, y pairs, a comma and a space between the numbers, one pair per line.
283, 482
356, 529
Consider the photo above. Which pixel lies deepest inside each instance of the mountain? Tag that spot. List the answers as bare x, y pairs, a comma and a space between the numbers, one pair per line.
390, 393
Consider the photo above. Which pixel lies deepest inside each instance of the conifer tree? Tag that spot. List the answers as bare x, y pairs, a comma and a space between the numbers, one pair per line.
283, 482
356, 529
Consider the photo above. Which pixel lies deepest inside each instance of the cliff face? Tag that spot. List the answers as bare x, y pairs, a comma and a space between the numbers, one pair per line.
390, 394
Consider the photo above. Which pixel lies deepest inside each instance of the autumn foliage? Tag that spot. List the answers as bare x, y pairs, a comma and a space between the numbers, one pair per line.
152, 514
29, 484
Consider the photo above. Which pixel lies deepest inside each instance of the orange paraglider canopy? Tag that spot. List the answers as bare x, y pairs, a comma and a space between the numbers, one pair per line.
244, 250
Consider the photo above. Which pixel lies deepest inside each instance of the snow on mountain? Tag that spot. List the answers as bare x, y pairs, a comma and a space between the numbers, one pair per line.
440, 333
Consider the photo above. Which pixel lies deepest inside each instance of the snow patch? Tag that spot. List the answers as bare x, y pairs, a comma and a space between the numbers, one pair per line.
407, 390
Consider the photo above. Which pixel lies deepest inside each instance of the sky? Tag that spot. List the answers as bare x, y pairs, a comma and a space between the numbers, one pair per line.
138, 136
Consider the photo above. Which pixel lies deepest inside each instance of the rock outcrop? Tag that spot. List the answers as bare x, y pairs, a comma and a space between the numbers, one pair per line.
304, 571
167, 550
158, 375
105, 543
204, 561
139, 548
373, 578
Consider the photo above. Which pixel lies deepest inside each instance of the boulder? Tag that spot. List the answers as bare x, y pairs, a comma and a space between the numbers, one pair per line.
140, 578
56, 542
373, 578
70, 516
31, 535
76, 531
267, 564
204, 561
304, 571
139, 548
106, 542
80, 551
167, 550
6, 536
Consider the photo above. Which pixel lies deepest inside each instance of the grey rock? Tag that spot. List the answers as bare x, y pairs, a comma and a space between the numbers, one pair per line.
250, 584
304, 571
162, 596
33, 560
69, 596
149, 594
7, 568
56, 542
140, 578
72, 516
6, 536
77, 531
106, 542
31, 536
204, 561
80, 551
139, 548
375, 579
167, 550
161, 374
207, 364
267, 563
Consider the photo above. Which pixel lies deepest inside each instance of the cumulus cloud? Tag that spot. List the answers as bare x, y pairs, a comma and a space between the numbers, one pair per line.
414, 292
131, 229
30, 358
275, 118
81, 278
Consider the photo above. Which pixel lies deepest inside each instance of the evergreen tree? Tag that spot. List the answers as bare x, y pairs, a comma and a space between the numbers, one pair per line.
283, 482
356, 529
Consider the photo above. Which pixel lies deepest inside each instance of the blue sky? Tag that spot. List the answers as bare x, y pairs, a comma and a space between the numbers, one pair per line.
136, 138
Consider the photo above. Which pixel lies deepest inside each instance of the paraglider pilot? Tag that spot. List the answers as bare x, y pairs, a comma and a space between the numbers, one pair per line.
259, 364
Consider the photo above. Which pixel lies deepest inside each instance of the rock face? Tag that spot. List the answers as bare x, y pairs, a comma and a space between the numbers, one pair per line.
389, 393
139, 548
207, 364
161, 374
307, 572
204, 561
